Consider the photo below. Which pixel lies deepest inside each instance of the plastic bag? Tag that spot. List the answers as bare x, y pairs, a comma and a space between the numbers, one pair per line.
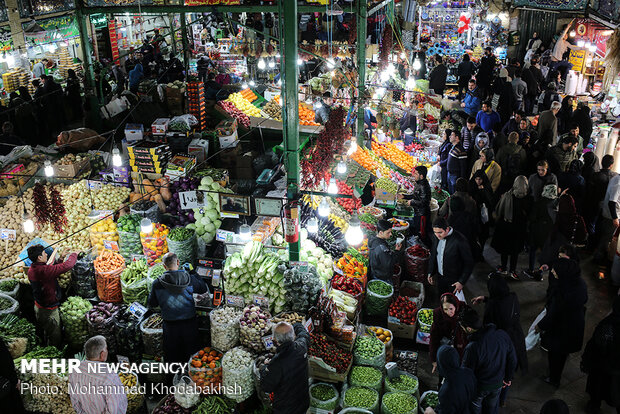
374, 407
329, 405
128, 336
405, 398
105, 329
533, 338
185, 250
262, 395
182, 123
377, 361
152, 338
83, 276
137, 291
129, 244
396, 384
425, 403
378, 304
204, 376
484, 214
154, 248
8, 304
185, 393
416, 262
97, 238
371, 371
224, 336
146, 209
12, 292
109, 287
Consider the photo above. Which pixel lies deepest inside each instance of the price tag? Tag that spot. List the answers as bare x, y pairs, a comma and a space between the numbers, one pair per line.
235, 301
111, 245
122, 359
224, 236
215, 281
309, 325
8, 234
137, 310
229, 215
268, 341
261, 301
303, 266
191, 199
136, 257
94, 185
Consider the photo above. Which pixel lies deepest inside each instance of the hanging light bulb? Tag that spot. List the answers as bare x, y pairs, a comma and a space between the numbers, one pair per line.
403, 55
261, 64
117, 161
272, 64
354, 235
572, 33
49, 170
342, 167
93, 213
417, 64
331, 63
385, 76
300, 61
580, 43
146, 225
245, 233
332, 188
252, 83
313, 225
28, 223
410, 83
324, 208
244, 85
352, 147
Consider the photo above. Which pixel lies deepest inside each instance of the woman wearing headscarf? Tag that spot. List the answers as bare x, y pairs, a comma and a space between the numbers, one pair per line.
582, 118
574, 182
445, 329
74, 98
459, 385
24, 94
511, 215
565, 115
540, 223
563, 325
591, 165
487, 164
482, 193
481, 142
444, 152
601, 361
503, 310
465, 223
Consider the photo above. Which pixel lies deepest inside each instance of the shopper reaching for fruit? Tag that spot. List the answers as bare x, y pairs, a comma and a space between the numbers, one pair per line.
286, 375
173, 293
445, 328
382, 258
43, 278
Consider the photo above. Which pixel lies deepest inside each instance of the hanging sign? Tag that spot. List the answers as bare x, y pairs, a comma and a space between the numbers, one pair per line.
55, 29
577, 59
6, 40
99, 20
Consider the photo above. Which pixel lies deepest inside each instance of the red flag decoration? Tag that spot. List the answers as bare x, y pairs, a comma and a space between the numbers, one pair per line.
463, 23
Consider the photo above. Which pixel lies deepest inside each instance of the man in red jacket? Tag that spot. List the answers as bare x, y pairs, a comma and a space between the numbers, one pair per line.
46, 291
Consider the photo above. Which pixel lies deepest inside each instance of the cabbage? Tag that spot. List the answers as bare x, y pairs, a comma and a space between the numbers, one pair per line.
206, 181
210, 227
212, 214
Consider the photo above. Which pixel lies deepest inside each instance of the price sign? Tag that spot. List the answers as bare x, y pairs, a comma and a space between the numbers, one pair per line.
136, 257
261, 301
224, 236
111, 245
94, 185
101, 214
191, 199
137, 310
309, 325
229, 215
237, 301
268, 342
8, 234
303, 266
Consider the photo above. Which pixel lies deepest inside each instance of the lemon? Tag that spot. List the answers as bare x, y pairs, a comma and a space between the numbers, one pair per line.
379, 331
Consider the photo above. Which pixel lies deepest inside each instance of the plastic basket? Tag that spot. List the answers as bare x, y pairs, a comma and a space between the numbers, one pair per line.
328, 405
411, 400
374, 407
375, 371
109, 287
152, 338
378, 304
422, 326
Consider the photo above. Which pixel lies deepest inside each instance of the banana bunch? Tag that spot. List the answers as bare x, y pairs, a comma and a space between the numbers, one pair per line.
128, 380
134, 397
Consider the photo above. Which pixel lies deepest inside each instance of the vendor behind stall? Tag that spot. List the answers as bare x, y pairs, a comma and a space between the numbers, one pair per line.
420, 200
322, 113
382, 258
173, 293
43, 278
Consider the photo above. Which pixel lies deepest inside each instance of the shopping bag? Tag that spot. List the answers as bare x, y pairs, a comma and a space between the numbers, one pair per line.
460, 296
484, 214
533, 338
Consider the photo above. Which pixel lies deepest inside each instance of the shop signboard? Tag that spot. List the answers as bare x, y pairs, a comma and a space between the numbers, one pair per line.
99, 20
572, 5
55, 29
6, 40
104, 3
577, 59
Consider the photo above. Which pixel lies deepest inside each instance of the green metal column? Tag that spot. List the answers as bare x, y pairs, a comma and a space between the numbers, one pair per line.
290, 109
173, 33
362, 11
89, 76
184, 41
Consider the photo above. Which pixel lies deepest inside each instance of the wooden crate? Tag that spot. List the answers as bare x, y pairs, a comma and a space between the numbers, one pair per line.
72, 170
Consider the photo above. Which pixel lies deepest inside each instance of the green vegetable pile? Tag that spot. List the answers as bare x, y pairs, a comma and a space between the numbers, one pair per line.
156, 271
399, 403
425, 317
135, 282
323, 396
361, 397
182, 242
214, 404
13, 327
368, 218
369, 350
72, 314
41, 352
129, 223
386, 184
8, 285
180, 234
378, 297
128, 228
366, 377
430, 400
5, 303
404, 383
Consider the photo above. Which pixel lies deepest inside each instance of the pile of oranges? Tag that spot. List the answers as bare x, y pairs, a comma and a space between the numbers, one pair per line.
391, 153
306, 115
370, 162
206, 367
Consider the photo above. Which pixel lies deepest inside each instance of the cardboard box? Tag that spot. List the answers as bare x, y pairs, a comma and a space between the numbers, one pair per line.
147, 147
182, 164
400, 330
384, 197
229, 141
121, 175
134, 132
72, 170
160, 126
199, 148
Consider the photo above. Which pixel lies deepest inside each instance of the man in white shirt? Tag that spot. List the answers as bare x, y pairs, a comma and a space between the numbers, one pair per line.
96, 390
559, 49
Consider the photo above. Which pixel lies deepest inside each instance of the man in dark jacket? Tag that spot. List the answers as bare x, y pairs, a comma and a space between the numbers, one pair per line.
461, 191
438, 76
173, 293
537, 182
459, 384
485, 71
513, 123
322, 112
561, 155
457, 161
46, 291
286, 375
469, 133
420, 200
465, 71
451, 261
491, 355
596, 187
381, 258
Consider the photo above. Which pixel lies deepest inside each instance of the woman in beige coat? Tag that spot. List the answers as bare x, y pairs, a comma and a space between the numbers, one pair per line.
487, 164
